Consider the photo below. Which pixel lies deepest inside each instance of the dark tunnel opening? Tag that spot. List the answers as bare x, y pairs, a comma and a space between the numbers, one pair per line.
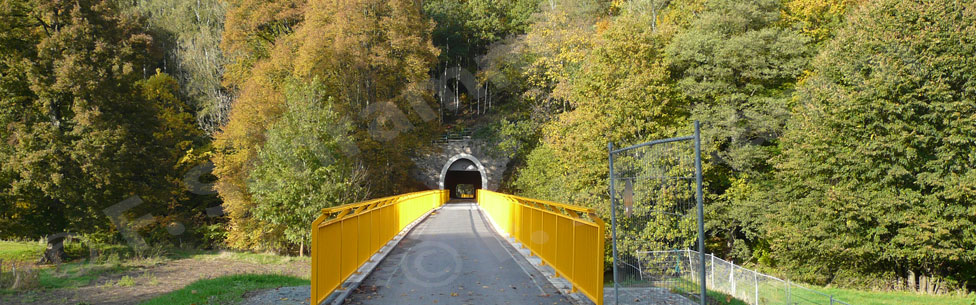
462, 184
462, 179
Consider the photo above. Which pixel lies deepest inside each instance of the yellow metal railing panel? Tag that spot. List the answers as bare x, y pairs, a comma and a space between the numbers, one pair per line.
345, 237
567, 238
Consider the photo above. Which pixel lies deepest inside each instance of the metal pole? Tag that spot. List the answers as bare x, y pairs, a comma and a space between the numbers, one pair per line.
701, 210
613, 227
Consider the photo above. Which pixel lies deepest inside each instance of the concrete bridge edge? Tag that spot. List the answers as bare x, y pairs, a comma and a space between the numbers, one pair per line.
562, 285
339, 295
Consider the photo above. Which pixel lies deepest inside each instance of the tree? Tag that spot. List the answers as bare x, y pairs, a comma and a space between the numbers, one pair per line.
620, 94
305, 145
466, 29
80, 135
190, 32
818, 19
738, 67
371, 59
259, 60
878, 171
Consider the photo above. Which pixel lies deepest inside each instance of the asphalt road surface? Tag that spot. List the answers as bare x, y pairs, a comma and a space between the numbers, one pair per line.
455, 257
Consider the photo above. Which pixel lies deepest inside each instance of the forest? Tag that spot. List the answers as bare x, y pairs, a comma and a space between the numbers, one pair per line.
839, 136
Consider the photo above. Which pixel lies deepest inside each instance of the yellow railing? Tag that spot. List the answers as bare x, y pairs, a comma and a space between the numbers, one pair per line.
345, 237
567, 238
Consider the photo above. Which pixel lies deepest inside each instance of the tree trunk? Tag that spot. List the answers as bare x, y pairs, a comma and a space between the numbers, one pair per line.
911, 281
54, 254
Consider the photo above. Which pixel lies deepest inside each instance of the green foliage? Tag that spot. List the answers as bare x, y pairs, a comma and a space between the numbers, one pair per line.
467, 28
878, 169
79, 125
306, 145
818, 19
738, 68
614, 87
869, 188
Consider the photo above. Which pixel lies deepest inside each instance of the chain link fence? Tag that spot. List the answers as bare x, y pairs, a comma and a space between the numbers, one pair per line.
746, 285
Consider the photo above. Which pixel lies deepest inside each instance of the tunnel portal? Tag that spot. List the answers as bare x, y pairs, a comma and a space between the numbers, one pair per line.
462, 176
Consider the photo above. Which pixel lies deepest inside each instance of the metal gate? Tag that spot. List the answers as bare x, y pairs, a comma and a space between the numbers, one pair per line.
656, 208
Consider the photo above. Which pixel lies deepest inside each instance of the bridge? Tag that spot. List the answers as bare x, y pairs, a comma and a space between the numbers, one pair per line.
425, 248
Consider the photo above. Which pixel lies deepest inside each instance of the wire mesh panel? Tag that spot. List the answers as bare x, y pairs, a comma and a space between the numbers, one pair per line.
657, 227
749, 286
655, 212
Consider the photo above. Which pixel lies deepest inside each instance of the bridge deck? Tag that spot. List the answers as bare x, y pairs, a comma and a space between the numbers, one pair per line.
454, 257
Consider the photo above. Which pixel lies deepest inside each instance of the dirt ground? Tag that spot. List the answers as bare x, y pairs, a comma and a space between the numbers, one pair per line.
152, 281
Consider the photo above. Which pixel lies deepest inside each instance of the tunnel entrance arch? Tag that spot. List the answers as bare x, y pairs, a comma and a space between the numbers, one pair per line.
463, 173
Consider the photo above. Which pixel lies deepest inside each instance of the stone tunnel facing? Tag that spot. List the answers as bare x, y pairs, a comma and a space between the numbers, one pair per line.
462, 178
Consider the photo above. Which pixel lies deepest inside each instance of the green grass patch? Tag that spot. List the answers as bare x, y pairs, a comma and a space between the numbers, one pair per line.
80, 274
224, 290
862, 297
20, 251
691, 289
257, 258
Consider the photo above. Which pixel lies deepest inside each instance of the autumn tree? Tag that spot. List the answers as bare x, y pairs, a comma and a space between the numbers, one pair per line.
371, 60
259, 57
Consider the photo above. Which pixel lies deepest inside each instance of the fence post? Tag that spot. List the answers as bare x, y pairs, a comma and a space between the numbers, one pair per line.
755, 277
732, 277
831, 299
613, 226
701, 211
712, 277
789, 293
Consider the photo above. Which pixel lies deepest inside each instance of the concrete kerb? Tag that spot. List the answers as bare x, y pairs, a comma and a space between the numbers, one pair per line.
339, 295
562, 285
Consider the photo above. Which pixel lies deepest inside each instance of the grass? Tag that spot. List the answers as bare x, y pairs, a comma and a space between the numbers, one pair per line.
861, 297
257, 258
72, 275
773, 294
125, 281
80, 274
224, 290
714, 297
20, 251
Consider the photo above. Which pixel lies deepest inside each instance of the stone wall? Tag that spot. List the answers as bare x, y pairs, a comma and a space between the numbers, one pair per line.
431, 165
